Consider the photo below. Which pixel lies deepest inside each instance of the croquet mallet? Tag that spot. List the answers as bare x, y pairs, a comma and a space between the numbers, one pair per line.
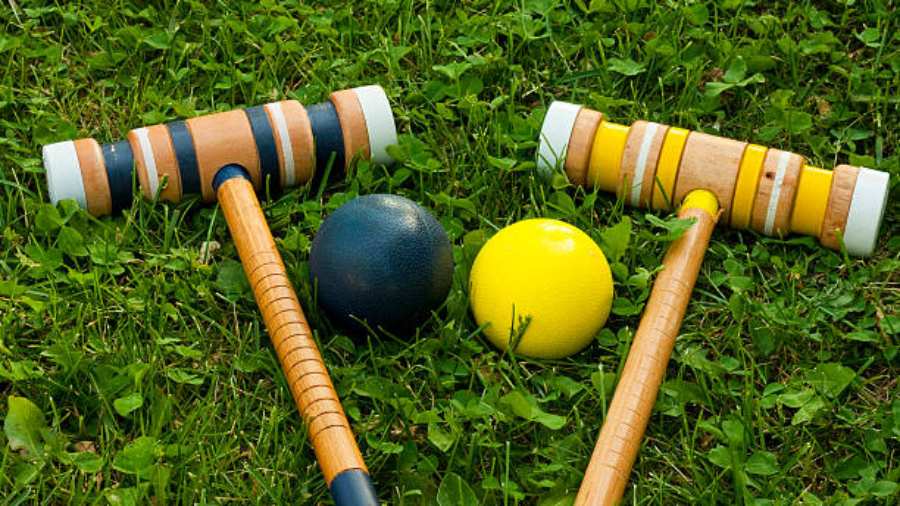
712, 179
229, 156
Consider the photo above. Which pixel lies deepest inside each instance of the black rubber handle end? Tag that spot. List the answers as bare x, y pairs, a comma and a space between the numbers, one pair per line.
227, 172
353, 487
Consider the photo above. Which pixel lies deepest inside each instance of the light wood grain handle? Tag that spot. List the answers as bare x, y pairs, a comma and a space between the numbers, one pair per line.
313, 392
607, 474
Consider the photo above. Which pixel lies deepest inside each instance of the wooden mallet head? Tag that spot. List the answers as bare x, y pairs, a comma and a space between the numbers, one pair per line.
771, 191
281, 144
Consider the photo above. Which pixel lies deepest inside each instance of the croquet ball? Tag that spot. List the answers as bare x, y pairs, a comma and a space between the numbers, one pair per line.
542, 285
382, 259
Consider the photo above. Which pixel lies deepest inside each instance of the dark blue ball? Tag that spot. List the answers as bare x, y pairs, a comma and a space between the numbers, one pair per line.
382, 259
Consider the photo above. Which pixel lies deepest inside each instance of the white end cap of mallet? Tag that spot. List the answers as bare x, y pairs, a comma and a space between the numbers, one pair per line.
555, 134
866, 211
379, 122
64, 180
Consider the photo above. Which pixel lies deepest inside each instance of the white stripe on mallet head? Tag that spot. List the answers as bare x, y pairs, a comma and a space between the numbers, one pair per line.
379, 122
772, 209
64, 179
555, 134
285, 138
641, 164
149, 160
866, 211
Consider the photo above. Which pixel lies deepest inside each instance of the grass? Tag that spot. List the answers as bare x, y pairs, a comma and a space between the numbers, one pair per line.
143, 374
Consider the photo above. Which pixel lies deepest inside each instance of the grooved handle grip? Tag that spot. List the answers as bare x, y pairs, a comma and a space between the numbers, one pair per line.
313, 392
607, 474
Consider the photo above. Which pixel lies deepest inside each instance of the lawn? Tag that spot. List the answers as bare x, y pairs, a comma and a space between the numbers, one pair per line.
142, 370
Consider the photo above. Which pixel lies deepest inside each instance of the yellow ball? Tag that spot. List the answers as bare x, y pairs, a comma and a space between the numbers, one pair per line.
546, 273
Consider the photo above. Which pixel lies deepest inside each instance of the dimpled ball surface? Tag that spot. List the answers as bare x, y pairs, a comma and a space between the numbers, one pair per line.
549, 271
382, 259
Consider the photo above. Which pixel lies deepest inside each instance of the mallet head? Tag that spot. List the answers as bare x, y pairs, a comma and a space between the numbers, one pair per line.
772, 191
281, 144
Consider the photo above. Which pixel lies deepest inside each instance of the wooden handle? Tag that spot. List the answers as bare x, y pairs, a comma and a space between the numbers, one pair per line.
329, 430
607, 474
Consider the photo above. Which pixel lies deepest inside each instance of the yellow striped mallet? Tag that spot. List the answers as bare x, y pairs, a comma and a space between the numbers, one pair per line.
229, 156
711, 179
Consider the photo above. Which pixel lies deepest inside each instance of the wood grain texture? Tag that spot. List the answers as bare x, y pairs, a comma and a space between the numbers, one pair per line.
580, 143
637, 171
307, 377
842, 185
710, 163
775, 193
93, 174
221, 139
353, 126
622, 432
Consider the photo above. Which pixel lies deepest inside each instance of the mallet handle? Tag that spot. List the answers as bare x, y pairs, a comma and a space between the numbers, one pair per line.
329, 431
607, 474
